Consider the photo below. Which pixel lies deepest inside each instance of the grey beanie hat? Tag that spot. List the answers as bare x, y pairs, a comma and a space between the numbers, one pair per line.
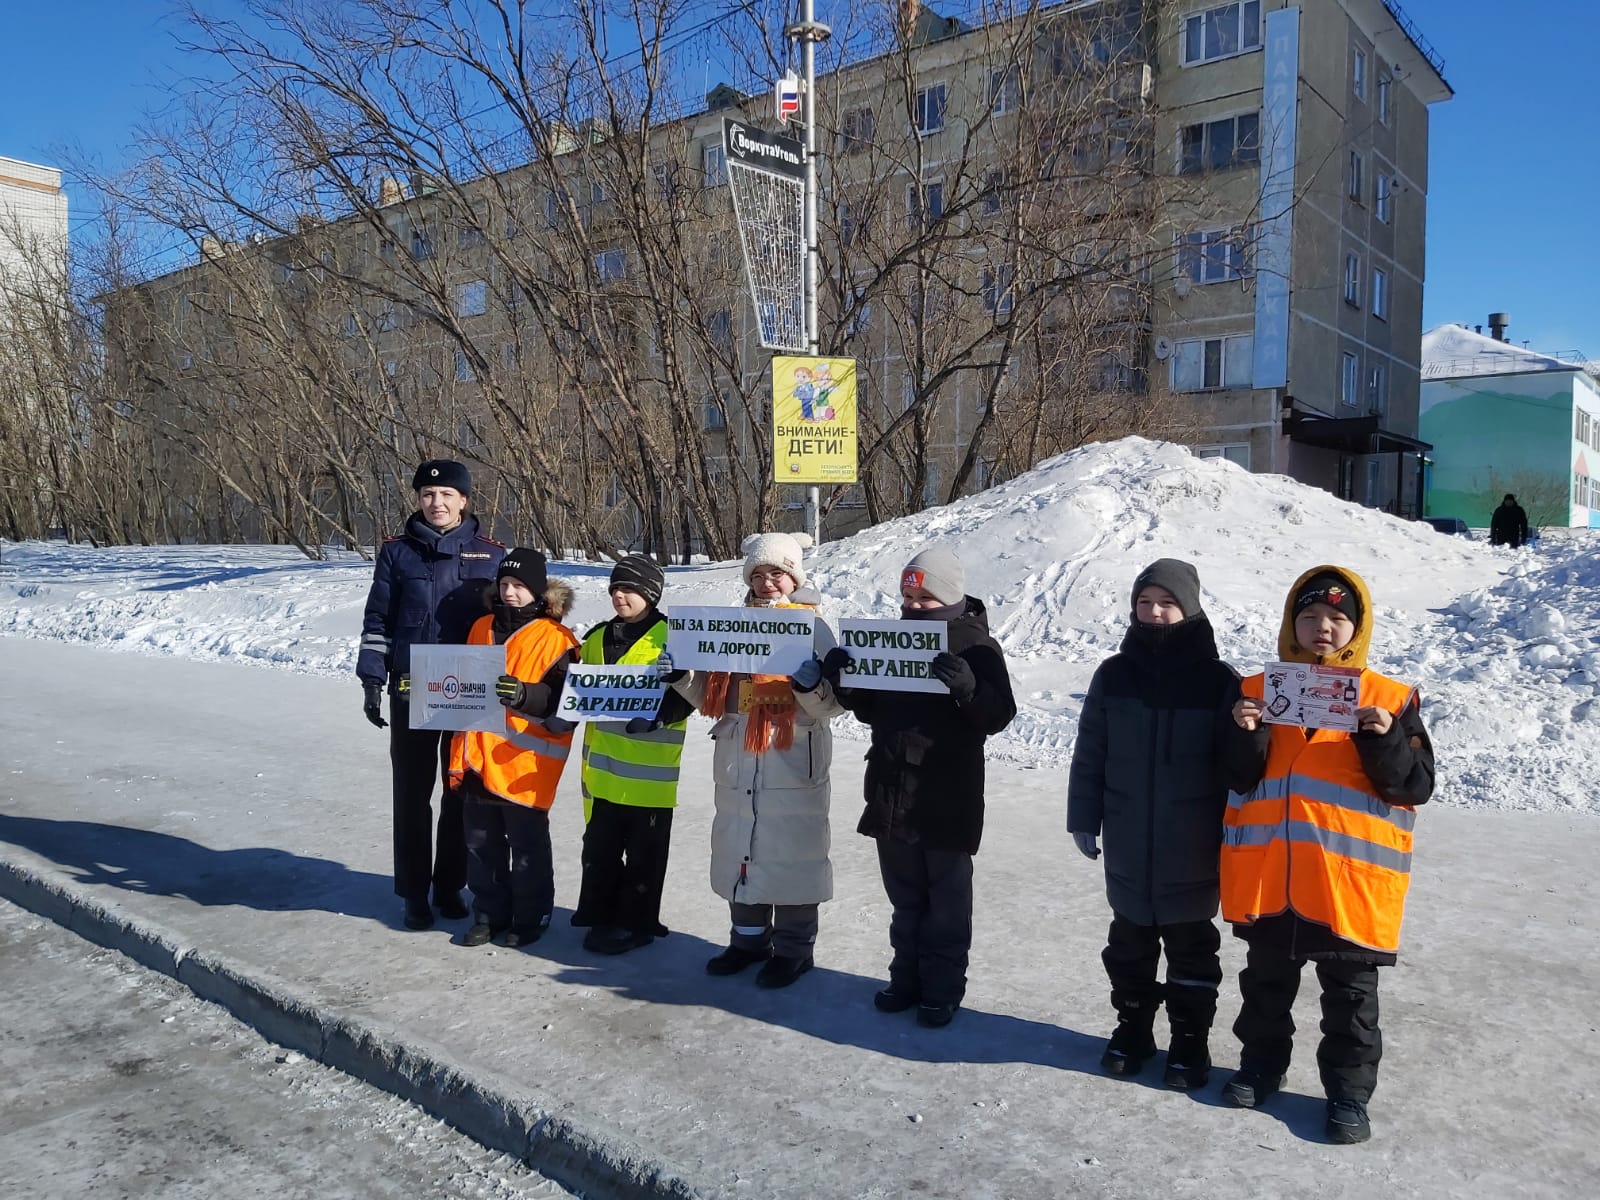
938, 572
1176, 576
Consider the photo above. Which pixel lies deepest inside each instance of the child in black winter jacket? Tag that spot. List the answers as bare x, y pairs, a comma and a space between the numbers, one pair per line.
1146, 773
924, 788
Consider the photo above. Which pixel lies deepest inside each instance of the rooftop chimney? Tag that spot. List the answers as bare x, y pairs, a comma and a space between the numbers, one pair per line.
1497, 325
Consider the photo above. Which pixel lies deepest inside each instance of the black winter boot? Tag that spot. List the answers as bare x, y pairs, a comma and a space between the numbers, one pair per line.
733, 960
1132, 1042
1188, 1062
780, 971
1250, 1089
417, 914
1347, 1122
450, 905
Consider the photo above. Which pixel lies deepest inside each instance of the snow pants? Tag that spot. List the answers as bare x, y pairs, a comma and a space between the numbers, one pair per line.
790, 929
419, 759
1194, 972
509, 865
930, 931
624, 867
1351, 1046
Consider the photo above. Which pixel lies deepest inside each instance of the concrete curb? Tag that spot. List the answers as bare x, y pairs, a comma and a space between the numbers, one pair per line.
577, 1153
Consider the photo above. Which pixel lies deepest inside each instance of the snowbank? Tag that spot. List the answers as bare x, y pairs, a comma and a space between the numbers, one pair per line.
1505, 646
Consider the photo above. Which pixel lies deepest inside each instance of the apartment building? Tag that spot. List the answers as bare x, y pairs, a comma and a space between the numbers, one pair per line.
1191, 219
33, 222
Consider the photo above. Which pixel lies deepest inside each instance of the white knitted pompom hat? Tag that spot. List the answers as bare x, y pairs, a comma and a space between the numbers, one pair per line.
781, 550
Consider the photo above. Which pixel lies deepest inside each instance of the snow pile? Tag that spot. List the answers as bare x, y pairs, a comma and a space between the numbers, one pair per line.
1505, 647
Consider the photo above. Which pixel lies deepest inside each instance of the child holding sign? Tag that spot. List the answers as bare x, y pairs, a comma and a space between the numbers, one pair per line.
1316, 855
508, 782
924, 787
1146, 772
630, 776
769, 837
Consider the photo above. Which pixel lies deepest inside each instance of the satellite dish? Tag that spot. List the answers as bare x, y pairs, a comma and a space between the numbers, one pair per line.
1182, 286
1163, 348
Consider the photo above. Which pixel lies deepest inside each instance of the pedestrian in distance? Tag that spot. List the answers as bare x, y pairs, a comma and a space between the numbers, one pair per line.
630, 776
427, 589
1146, 777
924, 787
1508, 525
1316, 855
773, 753
507, 781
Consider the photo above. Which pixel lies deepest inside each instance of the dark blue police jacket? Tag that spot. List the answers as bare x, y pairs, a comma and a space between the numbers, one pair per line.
427, 588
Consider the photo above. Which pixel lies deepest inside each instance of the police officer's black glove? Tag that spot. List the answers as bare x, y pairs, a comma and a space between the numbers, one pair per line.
641, 725
372, 702
956, 675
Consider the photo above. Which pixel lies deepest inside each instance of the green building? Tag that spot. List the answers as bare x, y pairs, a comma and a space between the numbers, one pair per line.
1505, 419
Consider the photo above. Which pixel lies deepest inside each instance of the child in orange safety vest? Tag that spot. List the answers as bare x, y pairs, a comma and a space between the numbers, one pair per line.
508, 780
1316, 854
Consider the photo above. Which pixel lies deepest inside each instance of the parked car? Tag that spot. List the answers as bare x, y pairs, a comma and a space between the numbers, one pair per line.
1453, 525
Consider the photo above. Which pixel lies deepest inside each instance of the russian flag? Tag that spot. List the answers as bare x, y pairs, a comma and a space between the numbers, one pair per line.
788, 96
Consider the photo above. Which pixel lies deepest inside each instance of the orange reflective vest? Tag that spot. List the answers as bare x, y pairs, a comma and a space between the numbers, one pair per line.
1314, 836
523, 764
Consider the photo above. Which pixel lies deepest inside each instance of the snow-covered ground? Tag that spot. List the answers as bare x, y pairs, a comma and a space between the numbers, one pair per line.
1505, 646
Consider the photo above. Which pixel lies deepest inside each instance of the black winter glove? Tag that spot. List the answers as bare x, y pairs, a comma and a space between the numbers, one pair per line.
641, 725
372, 702
557, 725
956, 675
509, 690
833, 662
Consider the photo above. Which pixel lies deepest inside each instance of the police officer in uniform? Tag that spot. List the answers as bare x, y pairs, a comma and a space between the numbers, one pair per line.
427, 589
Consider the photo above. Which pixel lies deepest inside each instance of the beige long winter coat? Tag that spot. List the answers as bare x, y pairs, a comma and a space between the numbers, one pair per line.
769, 835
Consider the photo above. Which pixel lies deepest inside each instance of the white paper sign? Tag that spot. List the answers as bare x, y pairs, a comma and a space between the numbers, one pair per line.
755, 641
616, 693
1311, 696
452, 687
892, 656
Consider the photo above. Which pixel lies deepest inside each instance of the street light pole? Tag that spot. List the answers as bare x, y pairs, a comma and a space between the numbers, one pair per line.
808, 31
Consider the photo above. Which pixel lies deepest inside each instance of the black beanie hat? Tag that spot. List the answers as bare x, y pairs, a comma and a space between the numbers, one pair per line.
525, 565
441, 472
638, 574
1176, 576
1330, 589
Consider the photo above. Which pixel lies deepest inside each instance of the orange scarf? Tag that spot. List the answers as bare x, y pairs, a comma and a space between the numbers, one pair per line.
767, 699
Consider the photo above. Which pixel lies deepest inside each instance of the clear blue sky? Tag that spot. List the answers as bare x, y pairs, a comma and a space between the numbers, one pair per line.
1512, 205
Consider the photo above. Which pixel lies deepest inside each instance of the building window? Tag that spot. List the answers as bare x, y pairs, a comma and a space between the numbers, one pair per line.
421, 243
464, 372
388, 319
1358, 176
930, 487
1374, 473
508, 356
1235, 452
1380, 294
1385, 88
1383, 199
924, 205
719, 329
714, 164
716, 418
666, 183
1352, 280
1207, 364
1214, 255
1005, 90
861, 313
930, 109
1221, 32
1358, 74
991, 197
597, 193
1218, 145
552, 211
471, 236
856, 130
1580, 426
1349, 379
610, 265
472, 299
998, 295
1378, 389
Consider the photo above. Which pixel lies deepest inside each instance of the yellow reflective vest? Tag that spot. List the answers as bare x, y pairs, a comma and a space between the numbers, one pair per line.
523, 764
1314, 837
640, 770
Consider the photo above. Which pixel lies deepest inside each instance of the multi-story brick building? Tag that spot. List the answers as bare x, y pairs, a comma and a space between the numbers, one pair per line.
1197, 219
